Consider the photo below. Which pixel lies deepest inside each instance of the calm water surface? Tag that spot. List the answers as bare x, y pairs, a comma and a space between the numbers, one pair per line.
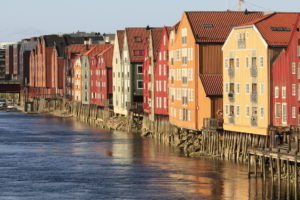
44, 157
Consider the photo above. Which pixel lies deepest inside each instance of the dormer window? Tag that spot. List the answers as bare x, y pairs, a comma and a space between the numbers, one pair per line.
208, 25
138, 39
138, 52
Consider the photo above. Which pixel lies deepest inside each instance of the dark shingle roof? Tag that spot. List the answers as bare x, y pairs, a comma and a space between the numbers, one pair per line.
212, 83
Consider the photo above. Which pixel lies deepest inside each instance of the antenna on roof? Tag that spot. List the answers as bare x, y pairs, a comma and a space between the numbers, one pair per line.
240, 4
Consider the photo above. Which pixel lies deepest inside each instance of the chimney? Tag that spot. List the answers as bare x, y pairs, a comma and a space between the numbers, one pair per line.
107, 40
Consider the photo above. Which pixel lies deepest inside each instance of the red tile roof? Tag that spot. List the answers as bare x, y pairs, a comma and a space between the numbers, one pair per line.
108, 55
276, 20
212, 83
120, 34
131, 34
216, 26
75, 48
156, 34
97, 49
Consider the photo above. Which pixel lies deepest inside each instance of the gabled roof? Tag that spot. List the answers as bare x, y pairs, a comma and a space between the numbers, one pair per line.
108, 55
212, 83
76, 48
276, 28
131, 34
120, 34
97, 49
156, 34
216, 26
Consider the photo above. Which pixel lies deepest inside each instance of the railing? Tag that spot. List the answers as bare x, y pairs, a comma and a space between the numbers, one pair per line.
184, 80
212, 123
253, 71
231, 96
231, 119
254, 97
254, 121
231, 72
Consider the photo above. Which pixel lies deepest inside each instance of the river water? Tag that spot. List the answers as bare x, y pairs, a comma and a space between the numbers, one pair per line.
45, 157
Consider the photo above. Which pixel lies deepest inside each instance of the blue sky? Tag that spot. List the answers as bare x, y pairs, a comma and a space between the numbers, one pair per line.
28, 18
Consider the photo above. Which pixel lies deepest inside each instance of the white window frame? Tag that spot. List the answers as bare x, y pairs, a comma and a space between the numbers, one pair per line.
261, 61
283, 92
294, 112
247, 111
282, 113
294, 89
237, 89
226, 63
137, 84
226, 109
262, 112
247, 88
226, 87
137, 69
293, 67
277, 111
276, 92
238, 110
237, 62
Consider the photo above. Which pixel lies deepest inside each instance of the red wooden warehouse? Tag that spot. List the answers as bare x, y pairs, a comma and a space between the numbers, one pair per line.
286, 83
101, 76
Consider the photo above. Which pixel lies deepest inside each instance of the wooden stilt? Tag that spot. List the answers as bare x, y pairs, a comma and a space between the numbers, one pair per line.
296, 179
271, 169
255, 169
249, 169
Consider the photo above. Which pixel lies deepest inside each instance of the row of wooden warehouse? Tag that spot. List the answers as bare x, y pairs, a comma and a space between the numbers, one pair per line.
240, 69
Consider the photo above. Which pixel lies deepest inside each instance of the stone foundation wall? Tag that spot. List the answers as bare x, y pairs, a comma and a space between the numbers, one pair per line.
216, 143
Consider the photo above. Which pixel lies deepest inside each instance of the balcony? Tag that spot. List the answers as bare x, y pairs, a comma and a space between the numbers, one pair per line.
253, 71
231, 119
254, 121
254, 97
184, 80
231, 72
231, 96
210, 123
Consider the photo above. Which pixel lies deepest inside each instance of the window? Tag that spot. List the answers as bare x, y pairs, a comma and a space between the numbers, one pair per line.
159, 69
261, 61
160, 57
247, 111
261, 112
237, 88
116, 60
226, 63
247, 61
139, 84
138, 52
226, 109
165, 86
298, 70
283, 92
276, 92
237, 63
165, 70
293, 89
226, 88
293, 68
165, 102
284, 113
261, 89
138, 39
247, 88
293, 112
237, 110
139, 69
184, 36
164, 40
254, 62
277, 110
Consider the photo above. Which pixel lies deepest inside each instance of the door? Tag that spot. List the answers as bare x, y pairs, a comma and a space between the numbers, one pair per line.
284, 113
